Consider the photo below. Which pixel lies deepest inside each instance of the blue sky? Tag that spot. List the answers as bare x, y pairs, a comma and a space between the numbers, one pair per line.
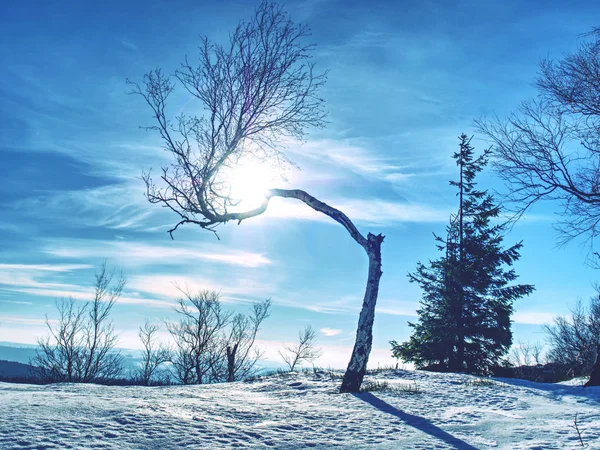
406, 78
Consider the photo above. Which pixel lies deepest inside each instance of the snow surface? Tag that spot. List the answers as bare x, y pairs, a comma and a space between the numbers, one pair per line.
303, 410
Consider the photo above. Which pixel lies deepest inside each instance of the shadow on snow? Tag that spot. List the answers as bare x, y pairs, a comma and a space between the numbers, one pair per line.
417, 422
592, 393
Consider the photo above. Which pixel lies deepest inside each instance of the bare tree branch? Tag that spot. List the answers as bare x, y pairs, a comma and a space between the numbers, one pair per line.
549, 149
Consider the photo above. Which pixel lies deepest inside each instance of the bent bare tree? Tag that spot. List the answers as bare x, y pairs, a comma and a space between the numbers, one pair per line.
256, 92
550, 148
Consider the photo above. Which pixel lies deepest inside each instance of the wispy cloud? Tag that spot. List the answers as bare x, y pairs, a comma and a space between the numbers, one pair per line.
320, 301
85, 294
24, 321
350, 156
533, 317
330, 331
130, 45
15, 302
39, 276
141, 254
396, 311
43, 267
169, 286
368, 211
46, 280
111, 206
383, 212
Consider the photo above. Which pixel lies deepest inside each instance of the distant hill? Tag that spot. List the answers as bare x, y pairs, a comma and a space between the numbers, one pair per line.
23, 353
17, 353
11, 370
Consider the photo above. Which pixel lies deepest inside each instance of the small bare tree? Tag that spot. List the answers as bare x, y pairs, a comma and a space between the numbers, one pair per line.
213, 345
304, 350
573, 339
153, 355
257, 91
526, 354
81, 346
59, 355
242, 354
197, 336
100, 360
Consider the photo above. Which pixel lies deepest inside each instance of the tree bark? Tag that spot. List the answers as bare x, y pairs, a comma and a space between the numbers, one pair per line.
364, 334
231, 363
595, 376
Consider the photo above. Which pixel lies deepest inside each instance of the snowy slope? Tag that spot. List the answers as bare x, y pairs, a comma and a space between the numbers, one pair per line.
303, 411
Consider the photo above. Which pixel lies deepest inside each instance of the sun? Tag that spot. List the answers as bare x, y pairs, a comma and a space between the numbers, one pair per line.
249, 182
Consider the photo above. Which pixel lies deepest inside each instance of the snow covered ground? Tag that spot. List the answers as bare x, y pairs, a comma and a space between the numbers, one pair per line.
420, 410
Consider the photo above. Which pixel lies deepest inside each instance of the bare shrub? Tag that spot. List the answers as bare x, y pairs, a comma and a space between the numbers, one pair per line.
81, 345
201, 320
576, 427
527, 354
304, 350
153, 355
573, 339
242, 354
213, 345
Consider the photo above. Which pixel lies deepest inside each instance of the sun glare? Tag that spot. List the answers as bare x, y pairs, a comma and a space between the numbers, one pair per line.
249, 182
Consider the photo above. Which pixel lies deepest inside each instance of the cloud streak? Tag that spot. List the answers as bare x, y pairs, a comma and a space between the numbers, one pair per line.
533, 317
43, 267
368, 211
169, 286
330, 332
142, 254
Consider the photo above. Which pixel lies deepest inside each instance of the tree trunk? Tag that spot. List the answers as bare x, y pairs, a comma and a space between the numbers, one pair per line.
364, 334
372, 245
231, 363
595, 376
459, 365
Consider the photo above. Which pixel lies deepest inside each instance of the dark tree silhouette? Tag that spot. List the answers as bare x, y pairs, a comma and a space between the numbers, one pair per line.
260, 89
549, 149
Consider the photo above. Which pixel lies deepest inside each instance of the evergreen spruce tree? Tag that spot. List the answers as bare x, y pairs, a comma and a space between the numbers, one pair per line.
464, 318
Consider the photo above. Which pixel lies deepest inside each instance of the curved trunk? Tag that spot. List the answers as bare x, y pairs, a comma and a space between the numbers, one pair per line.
372, 245
364, 334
